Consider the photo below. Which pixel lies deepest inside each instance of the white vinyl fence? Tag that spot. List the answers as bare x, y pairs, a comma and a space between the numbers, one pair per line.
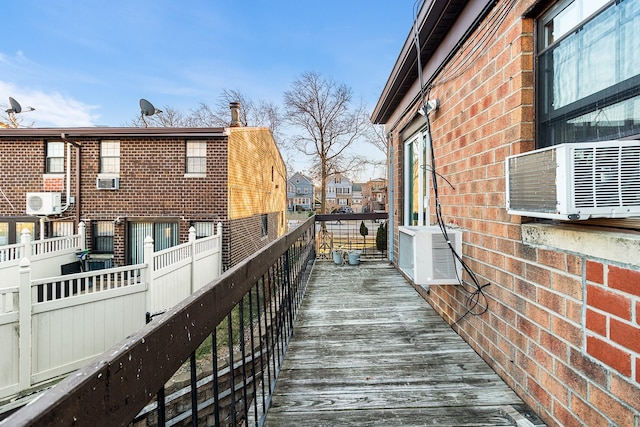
52, 326
46, 256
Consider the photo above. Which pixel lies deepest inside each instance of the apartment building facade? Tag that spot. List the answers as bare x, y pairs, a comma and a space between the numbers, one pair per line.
129, 183
554, 302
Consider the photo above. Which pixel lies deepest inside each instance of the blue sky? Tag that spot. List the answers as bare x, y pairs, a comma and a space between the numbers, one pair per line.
88, 62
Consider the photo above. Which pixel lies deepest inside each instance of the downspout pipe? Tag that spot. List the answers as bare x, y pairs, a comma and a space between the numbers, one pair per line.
390, 198
77, 145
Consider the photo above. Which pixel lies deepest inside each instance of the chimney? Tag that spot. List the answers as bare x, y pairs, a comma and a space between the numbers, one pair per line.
235, 114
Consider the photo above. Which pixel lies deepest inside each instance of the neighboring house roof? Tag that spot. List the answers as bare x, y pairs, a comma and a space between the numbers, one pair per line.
113, 131
300, 176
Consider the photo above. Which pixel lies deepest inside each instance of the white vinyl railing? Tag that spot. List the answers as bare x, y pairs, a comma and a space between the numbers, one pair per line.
51, 326
46, 256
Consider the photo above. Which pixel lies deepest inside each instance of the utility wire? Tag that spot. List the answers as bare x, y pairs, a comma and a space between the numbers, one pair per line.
477, 294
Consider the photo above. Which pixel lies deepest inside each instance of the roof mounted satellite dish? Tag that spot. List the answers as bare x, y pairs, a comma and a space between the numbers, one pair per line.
16, 108
147, 109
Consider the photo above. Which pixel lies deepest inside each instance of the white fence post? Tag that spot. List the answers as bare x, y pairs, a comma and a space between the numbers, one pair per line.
25, 239
82, 231
219, 234
25, 324
147, 258
192, 249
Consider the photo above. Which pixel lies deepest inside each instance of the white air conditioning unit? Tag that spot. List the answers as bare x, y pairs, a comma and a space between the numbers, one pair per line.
44, 203
575, 181
425, 256
107, 183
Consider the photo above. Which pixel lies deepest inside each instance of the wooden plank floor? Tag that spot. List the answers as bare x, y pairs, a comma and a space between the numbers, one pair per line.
368, 350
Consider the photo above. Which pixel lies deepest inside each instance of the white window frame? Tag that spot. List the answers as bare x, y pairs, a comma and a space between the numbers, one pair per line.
109, 149
421, 141
195, 150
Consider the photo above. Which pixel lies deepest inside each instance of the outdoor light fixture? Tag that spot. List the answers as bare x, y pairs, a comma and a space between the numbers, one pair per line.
431, 105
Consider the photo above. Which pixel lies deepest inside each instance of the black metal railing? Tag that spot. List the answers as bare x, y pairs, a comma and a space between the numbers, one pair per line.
213, 359
351, 232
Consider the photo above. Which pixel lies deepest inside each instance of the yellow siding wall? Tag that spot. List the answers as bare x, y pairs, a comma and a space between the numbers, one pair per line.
257, 175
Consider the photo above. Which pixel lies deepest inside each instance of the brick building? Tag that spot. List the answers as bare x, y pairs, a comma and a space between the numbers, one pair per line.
127, 183
562, 325
374, 195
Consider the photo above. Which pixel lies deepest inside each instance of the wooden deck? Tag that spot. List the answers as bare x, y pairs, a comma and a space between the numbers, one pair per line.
368, 350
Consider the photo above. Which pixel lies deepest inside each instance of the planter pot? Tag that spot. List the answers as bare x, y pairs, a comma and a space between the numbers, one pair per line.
354, 257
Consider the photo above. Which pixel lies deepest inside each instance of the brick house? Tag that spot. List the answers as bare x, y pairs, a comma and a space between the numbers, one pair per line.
127, 183
374, 195
300, 192
562, 325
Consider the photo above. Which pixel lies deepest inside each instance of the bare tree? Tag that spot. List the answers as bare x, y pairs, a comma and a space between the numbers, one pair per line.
260, 114
169, 117
375, 136
322, 110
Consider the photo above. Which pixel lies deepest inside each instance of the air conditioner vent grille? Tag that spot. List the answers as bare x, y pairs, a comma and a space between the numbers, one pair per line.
35, 202
444, 262
535, 176
606, 176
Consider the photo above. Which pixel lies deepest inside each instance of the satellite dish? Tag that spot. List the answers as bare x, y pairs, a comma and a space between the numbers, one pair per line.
147, 108
15, 106
15, 109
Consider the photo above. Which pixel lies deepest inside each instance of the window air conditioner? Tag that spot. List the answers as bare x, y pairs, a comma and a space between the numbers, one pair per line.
107, 183
575, 181
44, 203
425, 256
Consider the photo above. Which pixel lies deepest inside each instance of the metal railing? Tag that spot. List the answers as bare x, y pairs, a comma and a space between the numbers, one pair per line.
350, 232
217, 353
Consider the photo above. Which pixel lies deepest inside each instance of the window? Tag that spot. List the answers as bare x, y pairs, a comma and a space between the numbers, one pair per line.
110, 157
102, 233
204, 229
303, 201
196, 157
21, 226
11, 230
588, 72
61, 228
416, 190
164, 234
55, 157
4, 233
265, 225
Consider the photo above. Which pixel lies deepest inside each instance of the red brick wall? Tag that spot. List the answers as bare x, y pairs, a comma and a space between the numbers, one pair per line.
22, 167
153, 185
241, 247
562, 328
